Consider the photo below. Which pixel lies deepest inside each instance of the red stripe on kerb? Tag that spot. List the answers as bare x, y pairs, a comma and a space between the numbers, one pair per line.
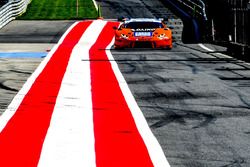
22, 138
117, 140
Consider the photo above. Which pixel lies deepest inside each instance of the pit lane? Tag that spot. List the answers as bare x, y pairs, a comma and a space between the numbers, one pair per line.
196, 102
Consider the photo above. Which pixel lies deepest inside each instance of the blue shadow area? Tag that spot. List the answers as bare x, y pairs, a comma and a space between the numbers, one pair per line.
23, 54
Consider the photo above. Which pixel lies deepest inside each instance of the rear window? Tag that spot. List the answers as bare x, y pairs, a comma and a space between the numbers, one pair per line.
143, 25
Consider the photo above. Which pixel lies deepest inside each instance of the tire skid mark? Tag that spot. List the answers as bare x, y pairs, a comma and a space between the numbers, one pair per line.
2, 86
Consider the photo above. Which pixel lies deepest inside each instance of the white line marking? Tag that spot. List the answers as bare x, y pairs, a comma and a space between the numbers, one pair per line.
70, 137
13, 106
95, 4
155, 151
206, 48
226, 56
210, 50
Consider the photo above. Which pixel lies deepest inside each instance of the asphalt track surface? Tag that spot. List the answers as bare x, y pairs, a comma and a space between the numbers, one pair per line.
196, 102
34, 32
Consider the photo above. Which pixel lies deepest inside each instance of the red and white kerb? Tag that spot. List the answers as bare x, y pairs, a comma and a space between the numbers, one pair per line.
76, 110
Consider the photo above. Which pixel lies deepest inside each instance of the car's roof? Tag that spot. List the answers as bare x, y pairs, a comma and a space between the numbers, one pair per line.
143, 20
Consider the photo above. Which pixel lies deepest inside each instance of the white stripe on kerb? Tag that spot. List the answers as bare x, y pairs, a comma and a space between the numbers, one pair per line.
155, 151
11, 110
70, 137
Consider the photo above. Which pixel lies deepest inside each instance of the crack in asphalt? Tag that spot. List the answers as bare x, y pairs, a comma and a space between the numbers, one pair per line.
20, 72
180, 116
236, 163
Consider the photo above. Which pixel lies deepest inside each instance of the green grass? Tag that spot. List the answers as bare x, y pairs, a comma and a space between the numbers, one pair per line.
59, 10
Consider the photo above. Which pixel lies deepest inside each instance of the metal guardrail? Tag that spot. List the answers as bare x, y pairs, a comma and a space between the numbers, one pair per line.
11, 10
195, 7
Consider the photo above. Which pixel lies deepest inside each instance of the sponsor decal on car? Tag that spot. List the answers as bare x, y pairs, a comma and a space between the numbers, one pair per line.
145, 34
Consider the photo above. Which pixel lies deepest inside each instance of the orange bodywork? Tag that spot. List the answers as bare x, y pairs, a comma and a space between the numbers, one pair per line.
157, 38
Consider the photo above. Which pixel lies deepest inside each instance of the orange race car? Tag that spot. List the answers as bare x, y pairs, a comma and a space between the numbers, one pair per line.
143, 33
